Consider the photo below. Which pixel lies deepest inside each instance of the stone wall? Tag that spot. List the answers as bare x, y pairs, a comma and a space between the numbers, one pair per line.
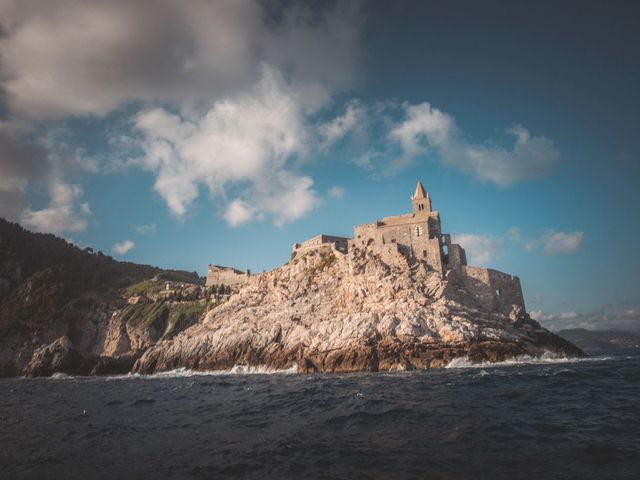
494, 290
217, 275
339, 243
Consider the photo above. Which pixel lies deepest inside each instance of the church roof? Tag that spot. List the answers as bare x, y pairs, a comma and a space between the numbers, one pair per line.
420, 191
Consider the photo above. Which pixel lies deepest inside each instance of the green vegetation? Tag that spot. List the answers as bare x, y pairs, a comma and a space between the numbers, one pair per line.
145, 315
145, 287
186, 312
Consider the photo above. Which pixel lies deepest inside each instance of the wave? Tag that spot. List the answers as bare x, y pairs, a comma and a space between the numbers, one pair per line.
235, 370
544, 359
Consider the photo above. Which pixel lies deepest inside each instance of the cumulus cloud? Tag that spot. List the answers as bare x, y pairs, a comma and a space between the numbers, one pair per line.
481, 249
123, 247
425, 129
247, 142
353, 119
561, 243
238, 212
63, 214
204, 75
106, 54
336, 192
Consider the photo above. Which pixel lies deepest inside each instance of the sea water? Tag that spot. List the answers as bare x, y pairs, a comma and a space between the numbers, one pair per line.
526, 419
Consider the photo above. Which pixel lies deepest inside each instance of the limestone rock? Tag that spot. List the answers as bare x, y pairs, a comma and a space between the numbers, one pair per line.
332, 312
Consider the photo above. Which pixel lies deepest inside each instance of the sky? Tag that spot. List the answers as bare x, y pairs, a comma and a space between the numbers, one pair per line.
180, 134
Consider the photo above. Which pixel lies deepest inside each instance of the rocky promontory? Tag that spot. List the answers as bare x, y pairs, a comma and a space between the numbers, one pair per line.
64, 309
330, 312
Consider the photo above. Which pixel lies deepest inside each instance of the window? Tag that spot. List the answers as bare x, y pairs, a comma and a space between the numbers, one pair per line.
498, 292
418, 231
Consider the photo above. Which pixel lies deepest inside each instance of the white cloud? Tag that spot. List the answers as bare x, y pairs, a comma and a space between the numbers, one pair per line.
604, 318
480, 249
247, 142
122, 248
64, 213
336, 192
423, 126
106, 54
426, 129
369, 159
353, 119
540, 316
145, 229
238, 213
561, 243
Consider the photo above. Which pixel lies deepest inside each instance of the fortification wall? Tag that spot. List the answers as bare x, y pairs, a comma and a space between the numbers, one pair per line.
494, 290
226, 276
339, 244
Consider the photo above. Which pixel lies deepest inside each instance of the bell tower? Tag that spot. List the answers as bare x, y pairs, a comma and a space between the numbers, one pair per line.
420, 200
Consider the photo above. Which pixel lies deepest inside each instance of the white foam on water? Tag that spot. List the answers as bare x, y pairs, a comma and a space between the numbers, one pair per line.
235, 370
544, 359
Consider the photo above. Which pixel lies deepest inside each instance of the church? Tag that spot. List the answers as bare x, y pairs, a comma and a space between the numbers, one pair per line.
417, 236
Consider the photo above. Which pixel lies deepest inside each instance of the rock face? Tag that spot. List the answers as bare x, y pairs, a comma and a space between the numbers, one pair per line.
331, 312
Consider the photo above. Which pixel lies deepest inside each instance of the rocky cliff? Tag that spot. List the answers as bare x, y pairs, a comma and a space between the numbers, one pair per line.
63, 309
329, 312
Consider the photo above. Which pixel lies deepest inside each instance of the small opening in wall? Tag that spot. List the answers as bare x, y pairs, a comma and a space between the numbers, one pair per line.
393, 240
498, 292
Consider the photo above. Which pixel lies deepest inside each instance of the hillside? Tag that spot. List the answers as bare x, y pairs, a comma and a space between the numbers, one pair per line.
51, 290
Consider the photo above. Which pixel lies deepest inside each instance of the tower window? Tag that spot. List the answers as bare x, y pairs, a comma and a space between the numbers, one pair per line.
418, 231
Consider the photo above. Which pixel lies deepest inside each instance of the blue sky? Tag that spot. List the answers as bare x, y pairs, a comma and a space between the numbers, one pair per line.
223, 132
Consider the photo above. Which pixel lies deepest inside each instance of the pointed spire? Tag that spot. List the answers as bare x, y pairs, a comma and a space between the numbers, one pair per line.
420, 191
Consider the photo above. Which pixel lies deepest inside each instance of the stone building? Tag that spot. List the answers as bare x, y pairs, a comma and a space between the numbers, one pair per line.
339, 243
417, 235
417, 238
217, 275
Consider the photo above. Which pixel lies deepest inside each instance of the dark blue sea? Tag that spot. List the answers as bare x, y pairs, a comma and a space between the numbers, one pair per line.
542, 420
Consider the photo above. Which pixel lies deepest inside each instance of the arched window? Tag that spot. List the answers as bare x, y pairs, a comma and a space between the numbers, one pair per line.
418, 231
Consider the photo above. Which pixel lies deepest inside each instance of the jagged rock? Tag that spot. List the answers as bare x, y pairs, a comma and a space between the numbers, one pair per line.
58, 356
332, 312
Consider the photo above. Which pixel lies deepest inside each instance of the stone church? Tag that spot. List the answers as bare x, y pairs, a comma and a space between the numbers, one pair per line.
416, 235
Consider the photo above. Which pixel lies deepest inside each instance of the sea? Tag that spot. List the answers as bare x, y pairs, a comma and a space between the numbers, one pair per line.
523, 419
